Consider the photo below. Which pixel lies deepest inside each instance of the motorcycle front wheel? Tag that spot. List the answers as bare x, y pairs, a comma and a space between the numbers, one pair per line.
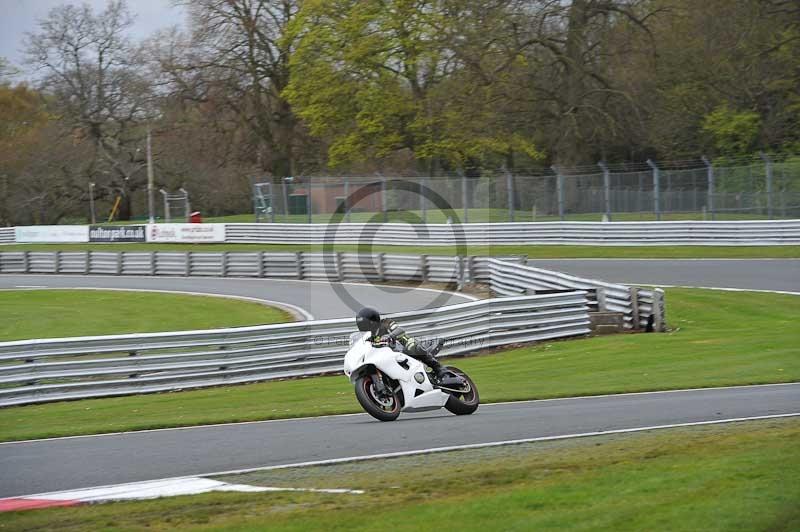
382, 408
466, 402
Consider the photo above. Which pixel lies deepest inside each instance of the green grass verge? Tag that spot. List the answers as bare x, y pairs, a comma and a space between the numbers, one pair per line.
736, 476
534, 252
60, 313
720, 338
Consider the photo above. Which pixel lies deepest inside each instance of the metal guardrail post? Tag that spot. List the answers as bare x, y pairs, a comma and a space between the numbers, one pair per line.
88, 263
260, 258
299, 259
658, 311
471, 268
339, 268
768, 164
423, 265
153, 259
710, 185
559, 192
224, 263
601, 299
634, 291
382, 266
656, 188
461, 270
120, 258
26, 262
606, 188
188, 264
57, 262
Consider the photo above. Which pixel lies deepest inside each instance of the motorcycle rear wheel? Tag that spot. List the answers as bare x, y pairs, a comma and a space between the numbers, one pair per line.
384, 410
465, 403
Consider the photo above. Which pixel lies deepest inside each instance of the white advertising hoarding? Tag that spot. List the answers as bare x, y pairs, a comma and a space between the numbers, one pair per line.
52, 233
188, 233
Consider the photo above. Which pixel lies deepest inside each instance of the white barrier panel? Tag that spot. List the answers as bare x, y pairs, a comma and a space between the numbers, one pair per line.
187, 233
52, 233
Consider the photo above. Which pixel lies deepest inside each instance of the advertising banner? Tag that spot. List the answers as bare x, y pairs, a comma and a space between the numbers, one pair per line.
51, 233
117, 233
187, 233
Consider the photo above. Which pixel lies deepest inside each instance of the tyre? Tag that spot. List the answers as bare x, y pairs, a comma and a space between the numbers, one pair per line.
381, 408
462, 404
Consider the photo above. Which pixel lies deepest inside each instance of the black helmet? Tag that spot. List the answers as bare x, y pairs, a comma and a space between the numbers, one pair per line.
368, 319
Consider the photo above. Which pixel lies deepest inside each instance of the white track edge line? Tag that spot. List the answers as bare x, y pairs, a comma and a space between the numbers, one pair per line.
352, 414
433, 450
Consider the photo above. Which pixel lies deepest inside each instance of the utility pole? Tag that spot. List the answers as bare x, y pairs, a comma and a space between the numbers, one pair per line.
91, 202
150, 210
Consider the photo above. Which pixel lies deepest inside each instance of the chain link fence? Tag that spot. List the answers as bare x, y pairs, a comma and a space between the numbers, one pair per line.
756, 190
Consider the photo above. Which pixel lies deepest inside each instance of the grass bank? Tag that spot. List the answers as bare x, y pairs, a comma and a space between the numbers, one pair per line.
534, 252
736, 476
719, 339
58, 313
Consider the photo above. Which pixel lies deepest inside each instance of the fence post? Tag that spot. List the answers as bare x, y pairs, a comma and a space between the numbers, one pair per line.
422, 206
656, 188
559, 192
461, 272
383, 200
260, 257
271, 202
120, 258
255, 193
224, 264
57, 262
768, 163
309, 204
88, 264
634, 291
423, 265
510, 194
346, 204
606, 188
299, 259
464, 197
188, 266
26, 262
710, 177
153, 262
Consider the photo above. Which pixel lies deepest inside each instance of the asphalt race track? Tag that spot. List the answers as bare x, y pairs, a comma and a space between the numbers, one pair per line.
317, 298
750, 274
68, 463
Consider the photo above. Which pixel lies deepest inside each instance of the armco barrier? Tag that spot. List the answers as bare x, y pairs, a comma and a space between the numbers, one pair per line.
752, 233
506, 277
707, 233
36, 371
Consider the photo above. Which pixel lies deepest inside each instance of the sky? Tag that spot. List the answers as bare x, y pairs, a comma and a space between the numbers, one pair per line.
20, 16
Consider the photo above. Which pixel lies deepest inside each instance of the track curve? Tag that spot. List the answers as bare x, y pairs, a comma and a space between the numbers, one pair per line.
317, 298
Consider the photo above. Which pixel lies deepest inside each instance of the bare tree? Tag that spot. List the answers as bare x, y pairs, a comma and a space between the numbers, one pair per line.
96, 79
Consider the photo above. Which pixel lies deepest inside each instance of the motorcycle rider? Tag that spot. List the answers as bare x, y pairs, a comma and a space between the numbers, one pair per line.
386, 333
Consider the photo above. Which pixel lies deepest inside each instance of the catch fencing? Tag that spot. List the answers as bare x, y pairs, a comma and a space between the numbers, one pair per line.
36, 371
505, 276
759, 189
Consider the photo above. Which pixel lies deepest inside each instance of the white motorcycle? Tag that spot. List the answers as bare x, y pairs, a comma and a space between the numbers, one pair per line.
388, 382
